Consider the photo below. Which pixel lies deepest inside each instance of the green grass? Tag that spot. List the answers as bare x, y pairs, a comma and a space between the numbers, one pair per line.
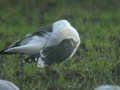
96, 61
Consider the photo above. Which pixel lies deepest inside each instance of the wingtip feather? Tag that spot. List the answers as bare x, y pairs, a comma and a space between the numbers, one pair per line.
3, 52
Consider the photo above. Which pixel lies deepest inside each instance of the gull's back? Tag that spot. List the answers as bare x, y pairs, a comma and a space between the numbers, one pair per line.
107, 87
7, 85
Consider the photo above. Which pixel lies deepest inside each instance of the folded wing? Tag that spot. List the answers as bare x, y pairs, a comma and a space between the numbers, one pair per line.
31, 43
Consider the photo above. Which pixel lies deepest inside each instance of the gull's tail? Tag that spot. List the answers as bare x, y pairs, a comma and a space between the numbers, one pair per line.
3, 52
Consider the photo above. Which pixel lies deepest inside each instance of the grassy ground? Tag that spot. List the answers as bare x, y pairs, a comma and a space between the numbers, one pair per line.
96, 62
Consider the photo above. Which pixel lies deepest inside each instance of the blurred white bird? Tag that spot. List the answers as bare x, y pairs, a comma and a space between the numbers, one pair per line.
7, 85
50, 44
107, 87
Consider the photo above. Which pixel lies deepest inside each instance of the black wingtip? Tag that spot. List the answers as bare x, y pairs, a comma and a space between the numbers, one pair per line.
2, 52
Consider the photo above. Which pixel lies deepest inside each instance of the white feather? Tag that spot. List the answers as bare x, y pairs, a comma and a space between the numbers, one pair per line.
62, 30
107, 87
7, 85
32, 47
40, 63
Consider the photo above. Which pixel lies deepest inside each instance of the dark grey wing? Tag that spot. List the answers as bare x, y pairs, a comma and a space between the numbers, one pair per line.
43, 30
59, 53
40, 32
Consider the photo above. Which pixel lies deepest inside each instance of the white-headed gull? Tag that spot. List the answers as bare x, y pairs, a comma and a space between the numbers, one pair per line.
7, 85
49, 44
107, 87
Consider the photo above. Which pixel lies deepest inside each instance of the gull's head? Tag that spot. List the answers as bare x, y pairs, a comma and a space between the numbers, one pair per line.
61, 24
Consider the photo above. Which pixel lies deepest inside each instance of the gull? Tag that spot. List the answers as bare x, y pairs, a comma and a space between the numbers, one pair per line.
107, 87
7, 85
48, 45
